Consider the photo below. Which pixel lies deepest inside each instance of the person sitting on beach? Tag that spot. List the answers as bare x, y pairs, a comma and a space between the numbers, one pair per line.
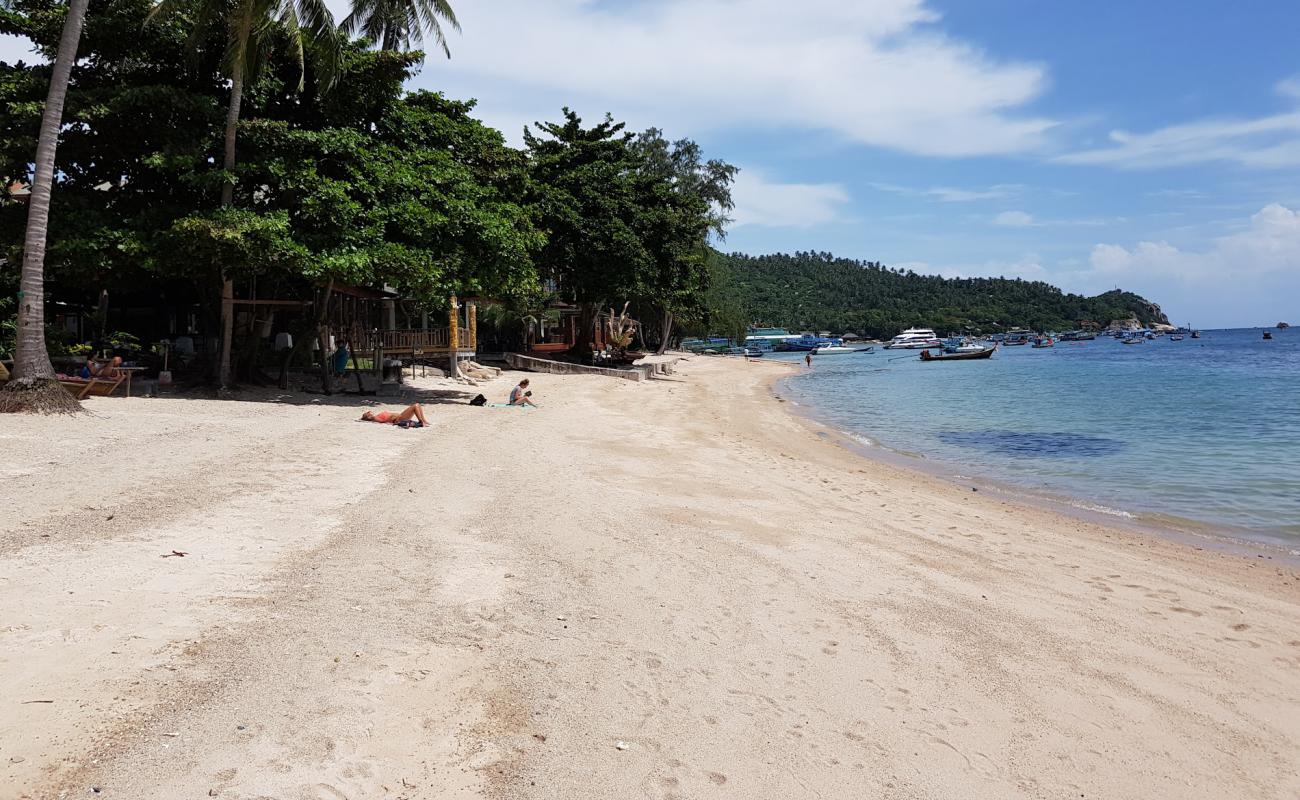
410, 417
520, 396
104, 370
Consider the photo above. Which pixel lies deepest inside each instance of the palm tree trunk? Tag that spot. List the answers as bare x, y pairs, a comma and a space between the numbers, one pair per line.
667, 329
228, 198
31, 359
32, 387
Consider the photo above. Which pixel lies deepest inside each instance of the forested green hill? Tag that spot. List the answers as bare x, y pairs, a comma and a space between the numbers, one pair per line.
817, 291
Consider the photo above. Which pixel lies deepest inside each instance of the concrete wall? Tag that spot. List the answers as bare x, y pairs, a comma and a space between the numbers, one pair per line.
517, 361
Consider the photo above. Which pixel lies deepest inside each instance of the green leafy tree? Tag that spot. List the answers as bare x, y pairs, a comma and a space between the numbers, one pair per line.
688, 200
585, 199
253, 28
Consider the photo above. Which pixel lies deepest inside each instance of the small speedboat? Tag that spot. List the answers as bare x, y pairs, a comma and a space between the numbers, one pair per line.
1268, 334
1132, 340
1044, 341
832, 349
1176, 338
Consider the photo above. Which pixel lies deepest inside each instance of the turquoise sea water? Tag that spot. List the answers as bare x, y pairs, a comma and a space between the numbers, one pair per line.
1206, 430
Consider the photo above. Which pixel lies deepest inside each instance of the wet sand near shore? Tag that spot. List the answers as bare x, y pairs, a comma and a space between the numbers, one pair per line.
664, 590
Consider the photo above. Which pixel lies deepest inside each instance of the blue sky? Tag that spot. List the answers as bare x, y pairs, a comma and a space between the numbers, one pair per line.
1152, 145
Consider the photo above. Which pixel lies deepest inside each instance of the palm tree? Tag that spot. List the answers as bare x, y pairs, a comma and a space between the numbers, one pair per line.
33, 387
398, 24
251, 27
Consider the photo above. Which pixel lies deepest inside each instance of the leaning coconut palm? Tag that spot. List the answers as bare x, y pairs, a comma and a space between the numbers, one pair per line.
252, 27
395, 24
33, 387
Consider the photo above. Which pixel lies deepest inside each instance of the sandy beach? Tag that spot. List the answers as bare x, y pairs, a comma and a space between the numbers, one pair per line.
675, 589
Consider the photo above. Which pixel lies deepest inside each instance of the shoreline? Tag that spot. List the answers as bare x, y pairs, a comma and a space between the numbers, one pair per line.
668, 589
1171, 527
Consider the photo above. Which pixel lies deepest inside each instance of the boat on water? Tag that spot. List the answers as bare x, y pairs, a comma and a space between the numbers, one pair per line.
961, 344
867, 349
1077, 336
1196, 334
833, 349
914, 339
1176, 337
1268, 334
1132, 340
808, 343
968, 355
1043, 341
1017, 337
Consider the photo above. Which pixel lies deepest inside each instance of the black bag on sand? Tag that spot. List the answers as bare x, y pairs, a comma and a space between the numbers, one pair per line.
479, 401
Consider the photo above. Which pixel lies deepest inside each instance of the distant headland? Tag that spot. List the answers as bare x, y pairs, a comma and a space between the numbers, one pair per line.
818, 291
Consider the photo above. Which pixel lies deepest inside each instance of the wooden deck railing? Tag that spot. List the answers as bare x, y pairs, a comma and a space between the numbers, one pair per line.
433, 340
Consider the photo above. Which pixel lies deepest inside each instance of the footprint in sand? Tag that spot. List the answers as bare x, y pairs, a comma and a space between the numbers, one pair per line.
716, 777
1182, 610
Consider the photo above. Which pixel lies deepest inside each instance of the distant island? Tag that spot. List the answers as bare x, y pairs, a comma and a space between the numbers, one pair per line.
817, 291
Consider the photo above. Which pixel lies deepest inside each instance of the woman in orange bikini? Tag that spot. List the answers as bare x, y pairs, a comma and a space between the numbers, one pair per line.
410, 417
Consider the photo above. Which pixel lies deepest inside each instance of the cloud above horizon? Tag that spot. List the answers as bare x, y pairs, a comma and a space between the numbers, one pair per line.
1267, 142
1251, 275
785, 205
876, 73
950, 194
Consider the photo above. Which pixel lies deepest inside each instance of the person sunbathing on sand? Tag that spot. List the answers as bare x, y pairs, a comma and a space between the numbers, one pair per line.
410, 417
520, 396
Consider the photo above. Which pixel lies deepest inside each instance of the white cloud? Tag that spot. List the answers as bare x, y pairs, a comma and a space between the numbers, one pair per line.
1289, 87
1179, 194
877, 73
949, 194
1014, 219
1248, 277
785, 205
1266, 142
1023, 219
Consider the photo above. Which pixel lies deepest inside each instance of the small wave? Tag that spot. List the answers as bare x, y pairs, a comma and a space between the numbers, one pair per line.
1100, 509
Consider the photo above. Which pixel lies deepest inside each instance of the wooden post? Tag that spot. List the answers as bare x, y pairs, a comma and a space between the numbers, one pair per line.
453, 335
473, 326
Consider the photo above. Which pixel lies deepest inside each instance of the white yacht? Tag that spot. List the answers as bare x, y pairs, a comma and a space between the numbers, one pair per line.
914, 339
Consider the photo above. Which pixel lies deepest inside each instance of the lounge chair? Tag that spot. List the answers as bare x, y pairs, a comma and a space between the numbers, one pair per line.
99, 386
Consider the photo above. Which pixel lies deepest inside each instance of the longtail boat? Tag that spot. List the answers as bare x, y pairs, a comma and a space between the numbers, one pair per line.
970, 355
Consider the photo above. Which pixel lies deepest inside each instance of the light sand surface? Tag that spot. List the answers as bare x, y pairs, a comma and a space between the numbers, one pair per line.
670, 589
